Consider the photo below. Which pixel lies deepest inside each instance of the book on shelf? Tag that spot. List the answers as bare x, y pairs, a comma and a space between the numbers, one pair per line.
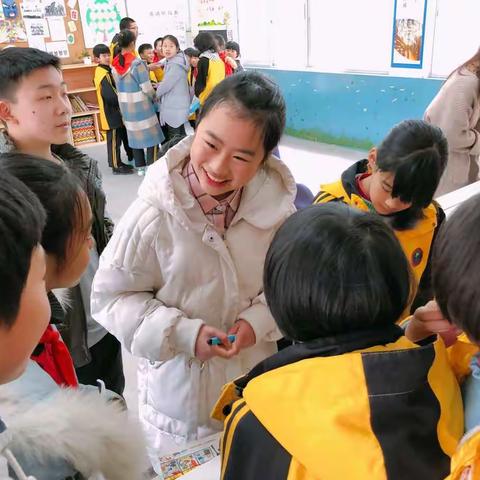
79, 105
83, 130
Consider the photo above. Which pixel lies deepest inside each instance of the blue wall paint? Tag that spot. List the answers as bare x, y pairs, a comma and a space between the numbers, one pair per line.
350, 110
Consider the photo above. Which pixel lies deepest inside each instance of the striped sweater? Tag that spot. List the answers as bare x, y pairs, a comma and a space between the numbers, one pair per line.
136, 98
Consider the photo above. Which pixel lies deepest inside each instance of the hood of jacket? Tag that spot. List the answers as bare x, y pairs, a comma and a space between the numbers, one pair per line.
76, 427
129, 58
180, 60
165, 188
333, 392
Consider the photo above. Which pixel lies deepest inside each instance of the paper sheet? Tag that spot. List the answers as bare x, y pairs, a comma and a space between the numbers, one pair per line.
32, 9
55, 8
210, 470
36, 28
201, 453
59, 49
37, 42
57, 29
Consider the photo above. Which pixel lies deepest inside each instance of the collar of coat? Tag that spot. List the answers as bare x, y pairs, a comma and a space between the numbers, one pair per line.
266, 200
323, 347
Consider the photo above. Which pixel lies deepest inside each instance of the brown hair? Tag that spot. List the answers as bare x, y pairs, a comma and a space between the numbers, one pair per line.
475, 58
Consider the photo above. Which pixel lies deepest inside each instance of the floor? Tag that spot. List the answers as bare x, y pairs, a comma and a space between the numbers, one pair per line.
310, 163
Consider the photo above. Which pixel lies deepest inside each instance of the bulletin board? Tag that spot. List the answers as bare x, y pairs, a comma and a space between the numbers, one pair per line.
51, 25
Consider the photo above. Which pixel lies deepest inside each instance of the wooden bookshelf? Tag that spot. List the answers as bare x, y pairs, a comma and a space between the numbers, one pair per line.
85, 126
81, 90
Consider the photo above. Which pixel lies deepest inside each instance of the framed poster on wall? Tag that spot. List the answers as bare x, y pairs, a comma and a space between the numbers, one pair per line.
408, 33
216, 16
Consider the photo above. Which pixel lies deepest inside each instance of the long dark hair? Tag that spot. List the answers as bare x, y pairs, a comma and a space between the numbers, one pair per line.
416, 152
205, 41
125, 38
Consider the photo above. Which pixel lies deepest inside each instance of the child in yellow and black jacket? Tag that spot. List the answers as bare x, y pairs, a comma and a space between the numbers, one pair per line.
455, 275
210, 67
352, 398
110, 117
398, 181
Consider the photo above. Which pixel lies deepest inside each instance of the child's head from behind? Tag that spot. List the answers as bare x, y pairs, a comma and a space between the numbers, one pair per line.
66, 237
24, 307
101, 54
456, 268
239, 125
407, 168
34, 103
193, 56
331, 270
145, 50
220, 41
126, 40
170, 46
205, 41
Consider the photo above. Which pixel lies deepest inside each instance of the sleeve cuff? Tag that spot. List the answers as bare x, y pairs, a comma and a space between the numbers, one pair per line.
262, 322
184, 335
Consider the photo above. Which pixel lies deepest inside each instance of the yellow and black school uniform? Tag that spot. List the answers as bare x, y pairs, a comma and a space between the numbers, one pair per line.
416, 241
211, 71
364, 405
158, 74
110, 117
466, 461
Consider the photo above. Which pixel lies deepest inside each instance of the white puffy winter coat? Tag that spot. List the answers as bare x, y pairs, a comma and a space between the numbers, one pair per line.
166, 272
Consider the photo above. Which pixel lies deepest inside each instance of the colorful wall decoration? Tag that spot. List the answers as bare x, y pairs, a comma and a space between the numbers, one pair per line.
100, 19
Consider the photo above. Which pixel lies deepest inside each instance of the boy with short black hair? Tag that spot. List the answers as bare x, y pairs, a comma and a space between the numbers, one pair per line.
24, 306
110, 117
36, 110
456, 283
126, 23
147, 54
352, 397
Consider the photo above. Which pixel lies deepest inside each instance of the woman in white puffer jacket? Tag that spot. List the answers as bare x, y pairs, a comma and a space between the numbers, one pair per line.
185, 262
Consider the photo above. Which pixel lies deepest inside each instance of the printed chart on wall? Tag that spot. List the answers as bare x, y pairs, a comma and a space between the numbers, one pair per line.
160, 19
100, 19
409, 33
215, 15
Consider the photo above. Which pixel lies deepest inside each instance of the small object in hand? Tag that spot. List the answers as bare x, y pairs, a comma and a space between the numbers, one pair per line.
217, 341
